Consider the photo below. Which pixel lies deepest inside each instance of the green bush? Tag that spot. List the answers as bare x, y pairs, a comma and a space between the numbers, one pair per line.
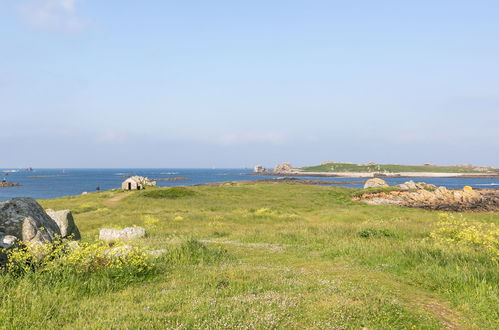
375, 233
170, 193
194, 252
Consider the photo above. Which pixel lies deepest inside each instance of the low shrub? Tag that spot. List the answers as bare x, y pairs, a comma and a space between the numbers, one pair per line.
59, 257
84, 208
195, 252
374, 190
375, 233
170, 193
456, 231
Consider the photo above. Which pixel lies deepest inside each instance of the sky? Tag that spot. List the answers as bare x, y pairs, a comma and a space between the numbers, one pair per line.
223, 83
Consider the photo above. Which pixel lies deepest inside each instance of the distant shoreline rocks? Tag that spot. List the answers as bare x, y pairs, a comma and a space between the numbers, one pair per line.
9, 184
172, 179
440, 198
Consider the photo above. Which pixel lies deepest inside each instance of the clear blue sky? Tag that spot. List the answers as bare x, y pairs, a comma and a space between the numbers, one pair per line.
88, 83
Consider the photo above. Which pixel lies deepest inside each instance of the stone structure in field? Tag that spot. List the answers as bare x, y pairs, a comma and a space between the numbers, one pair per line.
375, 183
283, 168
137, 183
259, 169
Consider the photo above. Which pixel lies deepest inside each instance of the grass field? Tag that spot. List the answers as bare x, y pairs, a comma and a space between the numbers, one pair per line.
343, 167
262, 256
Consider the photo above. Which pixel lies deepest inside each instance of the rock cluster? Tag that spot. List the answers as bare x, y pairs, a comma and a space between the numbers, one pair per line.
439, 199
411, 185
283, 168
23, 220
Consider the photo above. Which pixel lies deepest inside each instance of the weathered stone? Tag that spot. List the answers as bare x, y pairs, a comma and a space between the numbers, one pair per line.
157, 253
283, 168
7, 241
118, 251
108, 234
25, 219
441, 193
375, 183
411, 185
73, 245
66, 223
425, 195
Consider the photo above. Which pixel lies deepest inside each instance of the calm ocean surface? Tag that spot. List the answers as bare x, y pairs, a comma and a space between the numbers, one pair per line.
75, 181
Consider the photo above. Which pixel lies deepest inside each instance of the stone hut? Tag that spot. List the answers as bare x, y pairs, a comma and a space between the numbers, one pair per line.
136, 183
259, 169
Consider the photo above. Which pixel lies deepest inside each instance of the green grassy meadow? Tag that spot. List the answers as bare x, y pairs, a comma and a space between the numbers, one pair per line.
344, 167
260, 256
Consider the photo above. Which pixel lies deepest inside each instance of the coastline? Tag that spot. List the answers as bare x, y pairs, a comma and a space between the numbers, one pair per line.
381, 175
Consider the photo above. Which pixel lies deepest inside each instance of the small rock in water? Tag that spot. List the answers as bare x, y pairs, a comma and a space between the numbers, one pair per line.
108, 234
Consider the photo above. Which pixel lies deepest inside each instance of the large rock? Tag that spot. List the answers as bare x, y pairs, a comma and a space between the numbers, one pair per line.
375, 183
108, 234
283, 168
66, 223
25, 219
409, 185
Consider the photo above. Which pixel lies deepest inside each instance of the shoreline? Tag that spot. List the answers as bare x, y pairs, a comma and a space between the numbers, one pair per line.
382, 175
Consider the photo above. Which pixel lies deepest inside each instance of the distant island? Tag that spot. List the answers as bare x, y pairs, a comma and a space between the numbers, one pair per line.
343, 169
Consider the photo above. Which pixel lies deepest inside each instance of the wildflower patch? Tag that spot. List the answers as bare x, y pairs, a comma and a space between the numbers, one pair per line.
62, 257
457, 231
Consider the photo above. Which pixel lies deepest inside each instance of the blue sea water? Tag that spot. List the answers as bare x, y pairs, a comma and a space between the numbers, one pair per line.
66, 182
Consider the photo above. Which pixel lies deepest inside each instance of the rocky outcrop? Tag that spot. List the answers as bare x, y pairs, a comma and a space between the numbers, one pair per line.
375, 183
108, 234
411, 185
9, 184
439, 199
25, 219
65, 222
173, 179
283, 168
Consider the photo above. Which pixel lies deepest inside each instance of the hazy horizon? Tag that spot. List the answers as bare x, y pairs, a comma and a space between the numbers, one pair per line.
112, 84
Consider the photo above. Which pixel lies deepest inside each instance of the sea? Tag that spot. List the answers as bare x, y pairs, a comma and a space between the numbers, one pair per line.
52, 183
